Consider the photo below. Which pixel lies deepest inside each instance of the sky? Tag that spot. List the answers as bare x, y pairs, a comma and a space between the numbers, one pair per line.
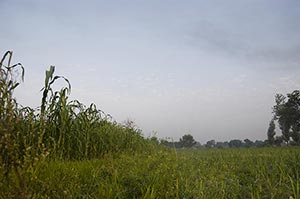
207, 68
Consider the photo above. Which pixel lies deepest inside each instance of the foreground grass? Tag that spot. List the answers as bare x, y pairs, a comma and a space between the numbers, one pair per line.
240, 173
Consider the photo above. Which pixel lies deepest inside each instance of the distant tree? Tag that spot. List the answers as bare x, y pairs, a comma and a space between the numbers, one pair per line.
178, 145
210, 144
271, 133
235, 143
197, 145
259, 143
221, 145
248, 143
226, 144
187, 141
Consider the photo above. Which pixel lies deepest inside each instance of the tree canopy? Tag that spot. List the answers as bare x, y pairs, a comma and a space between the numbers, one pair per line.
287, 113
187, 141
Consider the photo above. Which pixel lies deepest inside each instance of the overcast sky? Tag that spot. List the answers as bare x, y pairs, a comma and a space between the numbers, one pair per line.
208, 68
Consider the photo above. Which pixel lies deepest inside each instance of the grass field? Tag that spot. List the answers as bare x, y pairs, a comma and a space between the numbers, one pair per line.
230, 173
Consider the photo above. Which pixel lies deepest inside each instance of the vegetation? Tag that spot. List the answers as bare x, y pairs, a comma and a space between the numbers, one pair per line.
287, 114
271, 133
57, 130
258, 173
64, 149
187, 141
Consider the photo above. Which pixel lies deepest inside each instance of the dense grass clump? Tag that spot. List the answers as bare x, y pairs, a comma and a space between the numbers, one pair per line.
66, 129
59, 129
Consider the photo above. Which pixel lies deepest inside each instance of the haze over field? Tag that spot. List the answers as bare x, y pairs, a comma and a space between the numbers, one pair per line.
209, 68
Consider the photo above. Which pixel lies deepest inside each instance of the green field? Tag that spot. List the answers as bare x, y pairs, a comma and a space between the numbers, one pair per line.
64, 149
233, 173
230, 173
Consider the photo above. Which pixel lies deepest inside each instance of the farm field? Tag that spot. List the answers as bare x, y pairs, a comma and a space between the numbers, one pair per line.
65, 149
227, 173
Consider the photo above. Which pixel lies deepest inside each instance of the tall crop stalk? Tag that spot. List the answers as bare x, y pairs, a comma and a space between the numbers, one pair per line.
10, 142
49, 103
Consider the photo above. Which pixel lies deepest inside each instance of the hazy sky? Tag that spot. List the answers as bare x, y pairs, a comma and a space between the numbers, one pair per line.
206, 67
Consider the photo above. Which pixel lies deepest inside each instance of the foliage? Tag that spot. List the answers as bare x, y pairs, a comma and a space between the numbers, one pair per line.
271, 133
211, 144
235, 143
16, 154
187, 141
287, 113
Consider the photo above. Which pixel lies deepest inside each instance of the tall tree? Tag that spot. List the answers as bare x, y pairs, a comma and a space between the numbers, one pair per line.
282, 114
287, 112
294, 104
271, 132
187, 141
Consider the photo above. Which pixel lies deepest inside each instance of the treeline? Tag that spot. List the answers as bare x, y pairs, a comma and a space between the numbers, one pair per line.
286, 114
187, 141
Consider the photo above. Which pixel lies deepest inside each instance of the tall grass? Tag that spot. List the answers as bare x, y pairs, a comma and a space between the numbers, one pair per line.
194, 174
72, 130
57, 129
